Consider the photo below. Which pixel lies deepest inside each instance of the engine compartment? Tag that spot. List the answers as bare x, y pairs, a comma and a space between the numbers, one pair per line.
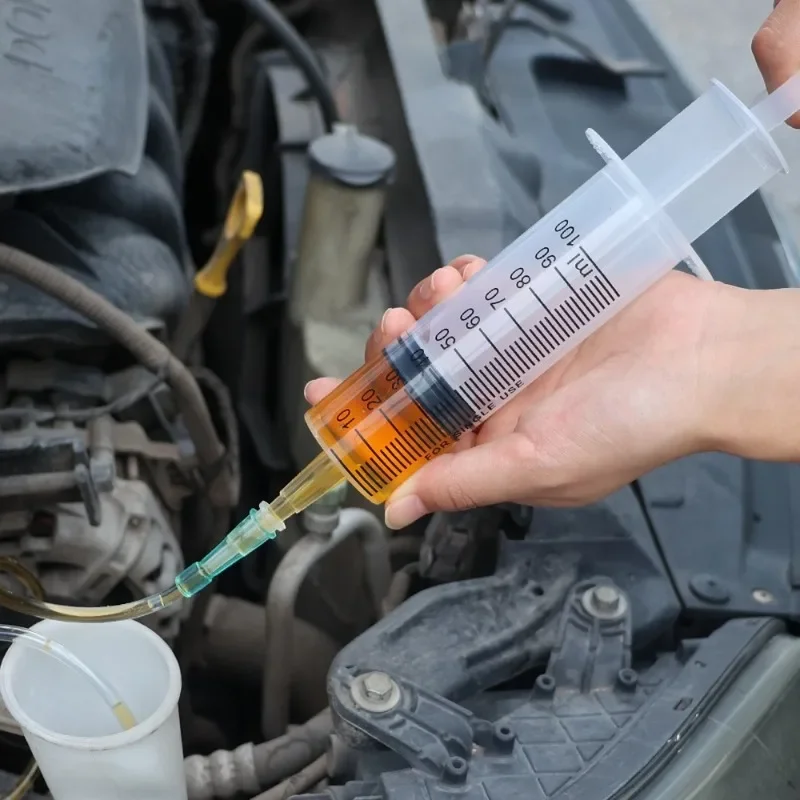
615, 650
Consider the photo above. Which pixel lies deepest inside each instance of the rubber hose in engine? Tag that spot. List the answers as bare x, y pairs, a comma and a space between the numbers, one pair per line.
147, 349
303, 56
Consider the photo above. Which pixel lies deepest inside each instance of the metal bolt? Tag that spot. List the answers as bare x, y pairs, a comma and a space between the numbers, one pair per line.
605, 598
604, 602
378, 686
763, 596
375, 691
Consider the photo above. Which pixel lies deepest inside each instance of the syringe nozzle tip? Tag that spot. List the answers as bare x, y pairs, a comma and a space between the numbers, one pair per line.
268, 519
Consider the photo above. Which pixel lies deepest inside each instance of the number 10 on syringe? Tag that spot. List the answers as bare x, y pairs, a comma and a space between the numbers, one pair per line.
465, 358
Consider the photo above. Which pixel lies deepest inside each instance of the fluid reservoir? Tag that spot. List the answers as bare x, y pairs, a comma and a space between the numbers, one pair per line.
344, 205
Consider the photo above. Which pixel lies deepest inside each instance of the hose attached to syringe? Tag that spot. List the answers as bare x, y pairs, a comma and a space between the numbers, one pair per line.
259, 526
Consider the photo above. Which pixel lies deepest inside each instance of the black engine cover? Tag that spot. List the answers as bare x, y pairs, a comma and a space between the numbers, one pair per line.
90, 165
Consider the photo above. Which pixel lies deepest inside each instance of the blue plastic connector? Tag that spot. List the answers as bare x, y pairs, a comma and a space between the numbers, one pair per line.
257, 527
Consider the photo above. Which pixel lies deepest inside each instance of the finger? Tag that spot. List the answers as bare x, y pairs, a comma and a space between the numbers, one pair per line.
319, 388
461, 262
395, 322
435, 288
776, 47
473, 268
495, 472
466, 441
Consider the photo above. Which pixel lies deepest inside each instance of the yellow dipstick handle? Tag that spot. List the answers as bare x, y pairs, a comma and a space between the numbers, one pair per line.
244, 214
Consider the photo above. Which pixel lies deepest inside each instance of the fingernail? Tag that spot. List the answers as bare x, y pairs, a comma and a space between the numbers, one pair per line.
427, 288
467, 259
470, 269
403, 512
305, 391
384, 318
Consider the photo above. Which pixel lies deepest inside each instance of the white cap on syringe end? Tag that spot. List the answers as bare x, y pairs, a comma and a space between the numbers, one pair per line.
779, 105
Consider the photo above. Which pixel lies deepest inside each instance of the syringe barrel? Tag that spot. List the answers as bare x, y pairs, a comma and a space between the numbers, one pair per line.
541, 297
465, 359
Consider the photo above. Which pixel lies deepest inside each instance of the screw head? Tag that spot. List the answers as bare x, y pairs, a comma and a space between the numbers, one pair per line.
378, 686
605, 598
604, 602
375, 691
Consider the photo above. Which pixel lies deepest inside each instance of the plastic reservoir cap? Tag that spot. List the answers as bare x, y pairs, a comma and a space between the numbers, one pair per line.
350, 158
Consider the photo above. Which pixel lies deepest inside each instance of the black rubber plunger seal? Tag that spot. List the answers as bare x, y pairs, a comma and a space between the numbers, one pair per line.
428, 389
351, 159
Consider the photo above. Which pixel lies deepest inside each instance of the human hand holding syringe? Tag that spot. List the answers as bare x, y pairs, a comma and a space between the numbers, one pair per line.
689, 366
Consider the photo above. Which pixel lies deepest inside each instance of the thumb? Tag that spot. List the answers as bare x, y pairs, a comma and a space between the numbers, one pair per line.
494, 472
776, 47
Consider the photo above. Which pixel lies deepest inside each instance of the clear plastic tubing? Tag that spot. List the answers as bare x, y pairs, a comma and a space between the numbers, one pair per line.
572, 271
117, 707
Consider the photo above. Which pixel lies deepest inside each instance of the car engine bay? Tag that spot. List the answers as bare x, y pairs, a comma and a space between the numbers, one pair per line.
640, 647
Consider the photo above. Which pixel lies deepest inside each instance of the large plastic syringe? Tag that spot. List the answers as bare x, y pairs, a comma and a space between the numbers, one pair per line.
578, 266
571, 272
549, 290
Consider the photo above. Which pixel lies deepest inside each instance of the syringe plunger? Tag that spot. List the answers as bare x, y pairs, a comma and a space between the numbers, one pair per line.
781, 104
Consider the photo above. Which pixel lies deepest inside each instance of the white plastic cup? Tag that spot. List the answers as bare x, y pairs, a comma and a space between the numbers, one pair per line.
81, 750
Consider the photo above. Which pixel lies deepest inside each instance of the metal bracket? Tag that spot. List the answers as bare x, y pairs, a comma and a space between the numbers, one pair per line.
86, 485
96, 473
422, 727
487, 629
431, 733
593, 645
